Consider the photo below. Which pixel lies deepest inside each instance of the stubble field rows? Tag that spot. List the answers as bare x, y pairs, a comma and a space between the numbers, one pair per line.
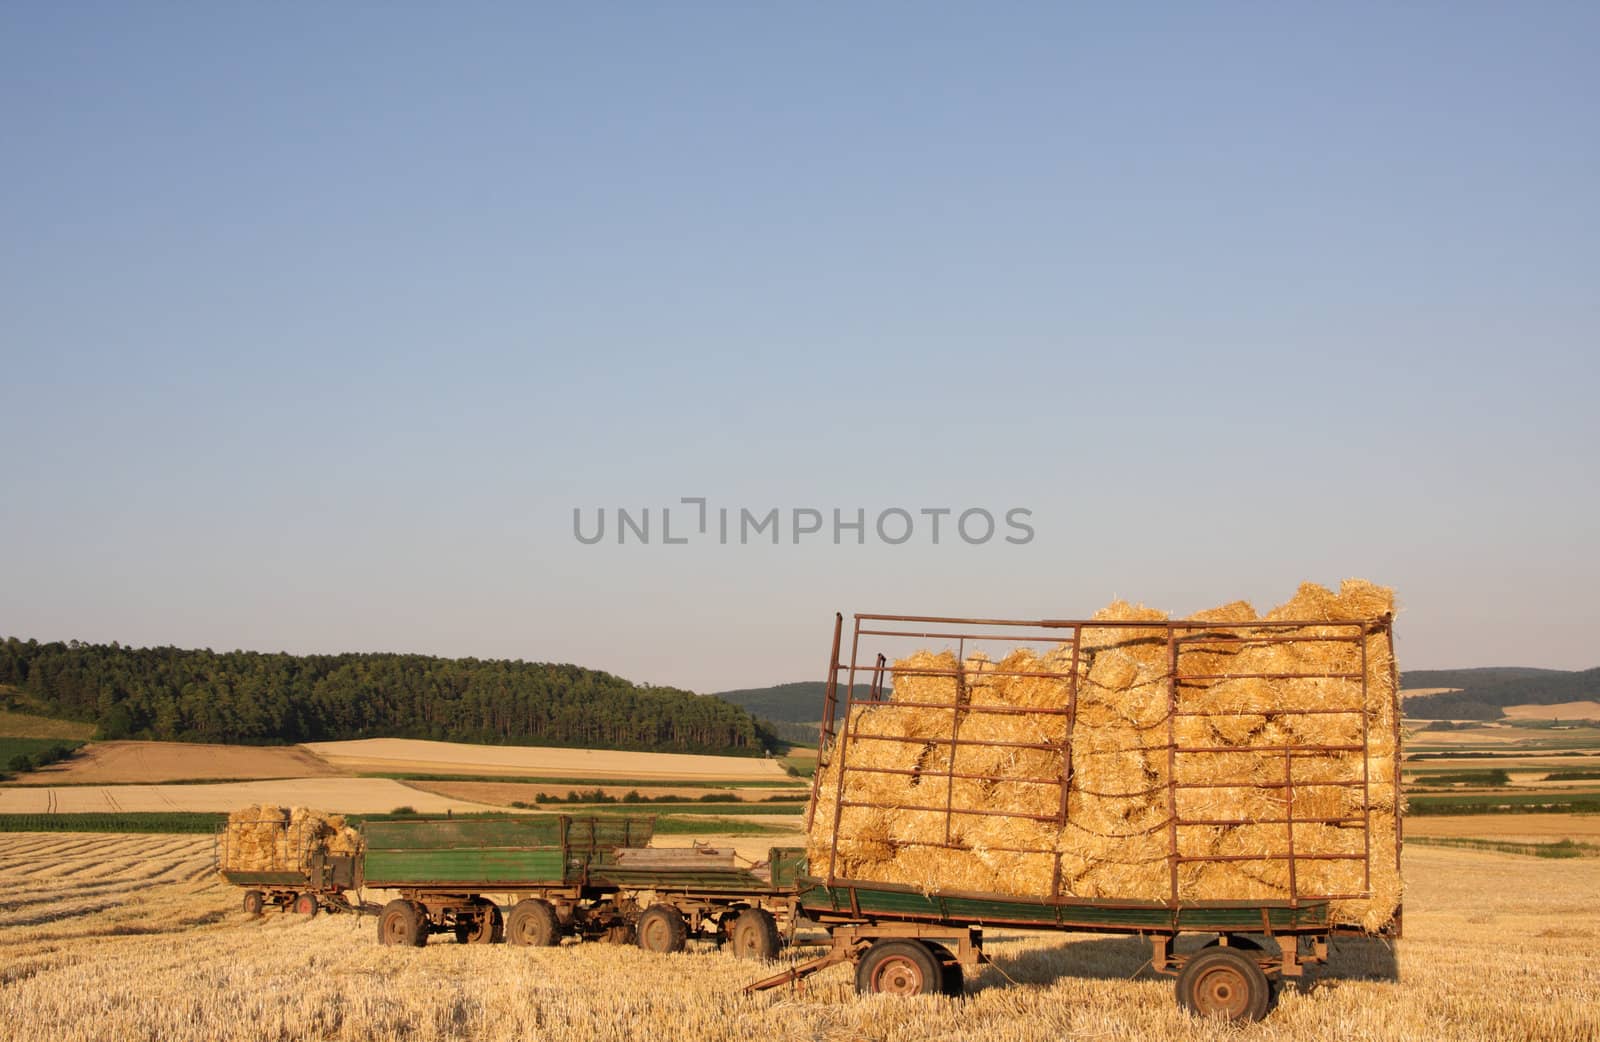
117, 937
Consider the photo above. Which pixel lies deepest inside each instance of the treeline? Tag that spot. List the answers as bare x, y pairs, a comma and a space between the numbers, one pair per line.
174, 694
1485, 699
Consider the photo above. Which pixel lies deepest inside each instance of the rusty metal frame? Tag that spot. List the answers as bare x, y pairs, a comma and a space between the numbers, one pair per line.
854, 684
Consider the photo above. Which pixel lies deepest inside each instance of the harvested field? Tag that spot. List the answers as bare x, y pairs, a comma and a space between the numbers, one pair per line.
111, 938
1418, 692
1488, 734
412, 756
339, 795
121, 763
1517, 828
1589, 710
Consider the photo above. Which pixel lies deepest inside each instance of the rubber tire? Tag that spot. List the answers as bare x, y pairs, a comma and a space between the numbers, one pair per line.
755, 935
254, 902
533, 923
306, 905
907, 966
487, 928
401, 923
1226, 969
951, 980
661, 929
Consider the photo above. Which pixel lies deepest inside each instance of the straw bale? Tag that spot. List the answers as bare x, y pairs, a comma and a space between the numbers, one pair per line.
928, 677
269, 838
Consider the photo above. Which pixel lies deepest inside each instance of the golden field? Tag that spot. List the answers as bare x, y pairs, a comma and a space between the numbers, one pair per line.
344, 795
417, 756
121, 763
121, 937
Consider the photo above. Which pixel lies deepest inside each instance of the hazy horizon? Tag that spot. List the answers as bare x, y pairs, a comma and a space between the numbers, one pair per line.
316, 330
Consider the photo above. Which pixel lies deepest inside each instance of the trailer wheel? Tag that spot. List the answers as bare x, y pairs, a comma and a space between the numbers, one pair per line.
483, 927
755, 935
951, 981
305, 904
533, 923
898, 968
254, 902
662, 929
401, 922
1224, 982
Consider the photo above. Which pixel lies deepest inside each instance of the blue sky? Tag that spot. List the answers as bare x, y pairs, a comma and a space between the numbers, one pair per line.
316, 326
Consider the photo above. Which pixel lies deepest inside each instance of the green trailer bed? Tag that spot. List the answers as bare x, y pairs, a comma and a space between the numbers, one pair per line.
487, 853
857, 901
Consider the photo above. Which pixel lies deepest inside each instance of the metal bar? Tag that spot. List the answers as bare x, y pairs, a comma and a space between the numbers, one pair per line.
1264, 785
955, 738
1394, 695
914, 772
999, 710
1288, 819
960, 810
981, 742
1267, 676
1269, 748
1172, 766
1274, 711
1237, 638
959, 674
1066, 739
1366, 768
1275, 857
825, 729
1351, 820
1139, 624
844, 759
1021, 638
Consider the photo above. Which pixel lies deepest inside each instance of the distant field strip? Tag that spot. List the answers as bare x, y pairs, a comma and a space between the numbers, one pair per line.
340, 795
415, 756
1563, 848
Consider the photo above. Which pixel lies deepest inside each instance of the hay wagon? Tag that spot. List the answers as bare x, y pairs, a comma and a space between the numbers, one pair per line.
590, 878
286, 870
949, 805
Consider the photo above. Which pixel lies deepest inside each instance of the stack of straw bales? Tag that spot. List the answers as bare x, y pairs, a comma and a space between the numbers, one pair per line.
270, 838
1120, 754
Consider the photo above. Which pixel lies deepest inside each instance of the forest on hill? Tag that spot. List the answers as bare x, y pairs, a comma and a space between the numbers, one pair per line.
1485, 693
175, 694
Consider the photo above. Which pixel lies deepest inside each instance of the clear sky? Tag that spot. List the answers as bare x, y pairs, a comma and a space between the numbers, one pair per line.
318, 322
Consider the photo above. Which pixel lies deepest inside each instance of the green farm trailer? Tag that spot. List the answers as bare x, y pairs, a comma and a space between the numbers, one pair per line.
592, 878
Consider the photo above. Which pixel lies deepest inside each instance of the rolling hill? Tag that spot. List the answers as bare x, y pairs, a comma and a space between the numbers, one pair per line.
186, 695
1484, 694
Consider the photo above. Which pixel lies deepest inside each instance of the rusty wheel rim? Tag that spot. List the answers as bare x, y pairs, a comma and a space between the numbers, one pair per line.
1222, 990
656, 933
394, 929
897, 975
